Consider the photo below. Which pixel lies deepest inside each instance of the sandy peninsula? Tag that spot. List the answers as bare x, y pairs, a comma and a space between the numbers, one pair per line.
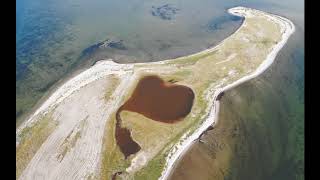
71, 135
287, 28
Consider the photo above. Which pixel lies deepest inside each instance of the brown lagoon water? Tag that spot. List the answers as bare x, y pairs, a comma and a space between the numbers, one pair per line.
157, 100
124, 140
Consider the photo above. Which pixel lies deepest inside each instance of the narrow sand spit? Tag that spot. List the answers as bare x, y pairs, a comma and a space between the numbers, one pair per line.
287, 28
79, 107
99, 70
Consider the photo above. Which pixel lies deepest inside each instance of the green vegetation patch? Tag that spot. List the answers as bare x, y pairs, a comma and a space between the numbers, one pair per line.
31, 138
113, 82
112, 158
227, 63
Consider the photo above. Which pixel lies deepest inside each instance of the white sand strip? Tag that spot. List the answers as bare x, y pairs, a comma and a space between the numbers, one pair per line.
229, 58
99, 70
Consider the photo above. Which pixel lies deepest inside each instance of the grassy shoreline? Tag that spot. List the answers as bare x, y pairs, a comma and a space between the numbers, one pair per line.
202, 62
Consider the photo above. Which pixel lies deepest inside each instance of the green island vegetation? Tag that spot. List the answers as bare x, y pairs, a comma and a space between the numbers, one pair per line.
237, 56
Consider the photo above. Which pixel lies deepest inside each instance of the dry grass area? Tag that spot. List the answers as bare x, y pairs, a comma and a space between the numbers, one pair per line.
140, 126
112, 158
72, 151
31, 138
72, 138
114, 81
237, 56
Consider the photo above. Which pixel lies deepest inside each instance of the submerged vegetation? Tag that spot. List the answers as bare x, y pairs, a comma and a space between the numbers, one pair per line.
218, 23
165, 12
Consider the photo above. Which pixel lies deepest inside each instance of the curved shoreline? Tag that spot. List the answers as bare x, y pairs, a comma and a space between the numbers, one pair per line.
287, 28
72, 83
103, 68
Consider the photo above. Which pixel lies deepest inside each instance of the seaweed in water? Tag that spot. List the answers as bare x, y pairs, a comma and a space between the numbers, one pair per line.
217, 23
165, 12
113, 44
107, 43
91, 49
117, 45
